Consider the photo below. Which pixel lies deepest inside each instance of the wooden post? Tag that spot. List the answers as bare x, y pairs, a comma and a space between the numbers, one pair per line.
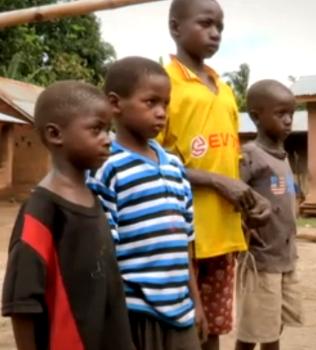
49, 12
309, 206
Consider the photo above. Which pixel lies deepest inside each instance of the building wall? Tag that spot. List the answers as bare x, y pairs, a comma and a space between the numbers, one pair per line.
6, 154
30, 161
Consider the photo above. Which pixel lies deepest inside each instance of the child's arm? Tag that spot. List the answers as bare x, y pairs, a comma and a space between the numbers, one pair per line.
24, 283
235, 191
261, 210
201, 320
260, 213
23, 329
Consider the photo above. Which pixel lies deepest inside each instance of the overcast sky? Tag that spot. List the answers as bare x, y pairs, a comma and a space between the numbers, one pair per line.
277, 38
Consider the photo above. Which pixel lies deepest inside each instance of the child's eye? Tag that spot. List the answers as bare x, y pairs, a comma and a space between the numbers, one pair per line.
282, 114
96, 129
205, 23
150, 103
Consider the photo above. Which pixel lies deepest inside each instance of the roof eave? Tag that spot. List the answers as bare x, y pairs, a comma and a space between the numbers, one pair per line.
22, 114
305, 98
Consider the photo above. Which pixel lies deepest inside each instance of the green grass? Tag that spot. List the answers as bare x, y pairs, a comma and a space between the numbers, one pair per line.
306, 222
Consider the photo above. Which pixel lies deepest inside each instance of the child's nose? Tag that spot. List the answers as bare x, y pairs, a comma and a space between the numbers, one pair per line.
214, 33
287, 119
161, 112
106, 139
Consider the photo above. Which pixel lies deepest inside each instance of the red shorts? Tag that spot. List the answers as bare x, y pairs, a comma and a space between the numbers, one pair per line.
215, 278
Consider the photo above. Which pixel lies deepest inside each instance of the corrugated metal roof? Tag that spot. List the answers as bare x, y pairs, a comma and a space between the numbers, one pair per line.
7, 119
300, 123
305, 86
20, 96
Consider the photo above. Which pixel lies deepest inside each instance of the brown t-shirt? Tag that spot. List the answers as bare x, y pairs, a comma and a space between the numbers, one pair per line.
269, 174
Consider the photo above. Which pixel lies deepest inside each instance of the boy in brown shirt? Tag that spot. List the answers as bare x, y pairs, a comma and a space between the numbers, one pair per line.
267, 281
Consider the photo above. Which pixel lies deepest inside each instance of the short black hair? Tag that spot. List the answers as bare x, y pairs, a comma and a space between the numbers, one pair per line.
180, 9
125, 74
61, 101
261, 92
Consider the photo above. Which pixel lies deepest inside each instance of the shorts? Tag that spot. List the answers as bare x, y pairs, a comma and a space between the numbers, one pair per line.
215, 279
149, 333
265, 303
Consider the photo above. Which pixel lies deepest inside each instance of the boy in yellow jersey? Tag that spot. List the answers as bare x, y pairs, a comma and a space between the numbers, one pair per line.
203, 130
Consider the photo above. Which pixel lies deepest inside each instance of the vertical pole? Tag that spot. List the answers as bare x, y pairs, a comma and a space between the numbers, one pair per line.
309, 206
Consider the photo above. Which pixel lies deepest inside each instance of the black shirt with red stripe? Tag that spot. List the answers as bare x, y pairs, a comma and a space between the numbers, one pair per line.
63, 272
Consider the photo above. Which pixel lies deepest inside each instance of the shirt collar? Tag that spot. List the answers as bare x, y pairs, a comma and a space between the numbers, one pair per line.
190, 75
161, 154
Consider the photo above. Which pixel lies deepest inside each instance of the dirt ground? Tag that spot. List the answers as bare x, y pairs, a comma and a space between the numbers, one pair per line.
293, 339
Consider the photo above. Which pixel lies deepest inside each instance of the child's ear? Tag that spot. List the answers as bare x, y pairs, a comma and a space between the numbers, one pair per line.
174, 27
53, 134
115, 102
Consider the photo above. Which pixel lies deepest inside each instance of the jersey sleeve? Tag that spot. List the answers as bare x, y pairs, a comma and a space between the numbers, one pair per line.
103, 185
235, 110
25, 278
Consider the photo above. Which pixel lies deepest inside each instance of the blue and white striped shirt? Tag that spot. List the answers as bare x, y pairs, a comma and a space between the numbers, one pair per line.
149, 206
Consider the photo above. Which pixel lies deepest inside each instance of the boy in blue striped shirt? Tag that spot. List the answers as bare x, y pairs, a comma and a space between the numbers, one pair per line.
149, 204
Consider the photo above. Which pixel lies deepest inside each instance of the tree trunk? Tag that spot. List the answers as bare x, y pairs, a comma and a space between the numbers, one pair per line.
49, 12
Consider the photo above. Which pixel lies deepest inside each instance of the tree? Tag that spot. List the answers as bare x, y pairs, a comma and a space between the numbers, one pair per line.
41, 53
239, 81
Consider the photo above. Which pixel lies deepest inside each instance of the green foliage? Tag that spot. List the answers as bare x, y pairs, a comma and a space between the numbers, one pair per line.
301, 107
41, 53
239, 81
306, 222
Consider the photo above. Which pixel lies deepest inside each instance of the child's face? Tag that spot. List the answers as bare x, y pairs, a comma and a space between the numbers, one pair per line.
143, 114
275, 118
85, 139
200, 33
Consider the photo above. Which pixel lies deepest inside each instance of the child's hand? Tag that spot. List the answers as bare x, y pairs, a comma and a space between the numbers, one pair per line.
260, 213
201, 322
237, 193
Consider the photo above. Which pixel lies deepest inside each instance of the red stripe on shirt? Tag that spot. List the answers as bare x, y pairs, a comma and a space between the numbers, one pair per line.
64, 334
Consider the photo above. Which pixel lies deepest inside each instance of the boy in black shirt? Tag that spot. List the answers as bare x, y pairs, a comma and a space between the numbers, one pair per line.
62, 287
